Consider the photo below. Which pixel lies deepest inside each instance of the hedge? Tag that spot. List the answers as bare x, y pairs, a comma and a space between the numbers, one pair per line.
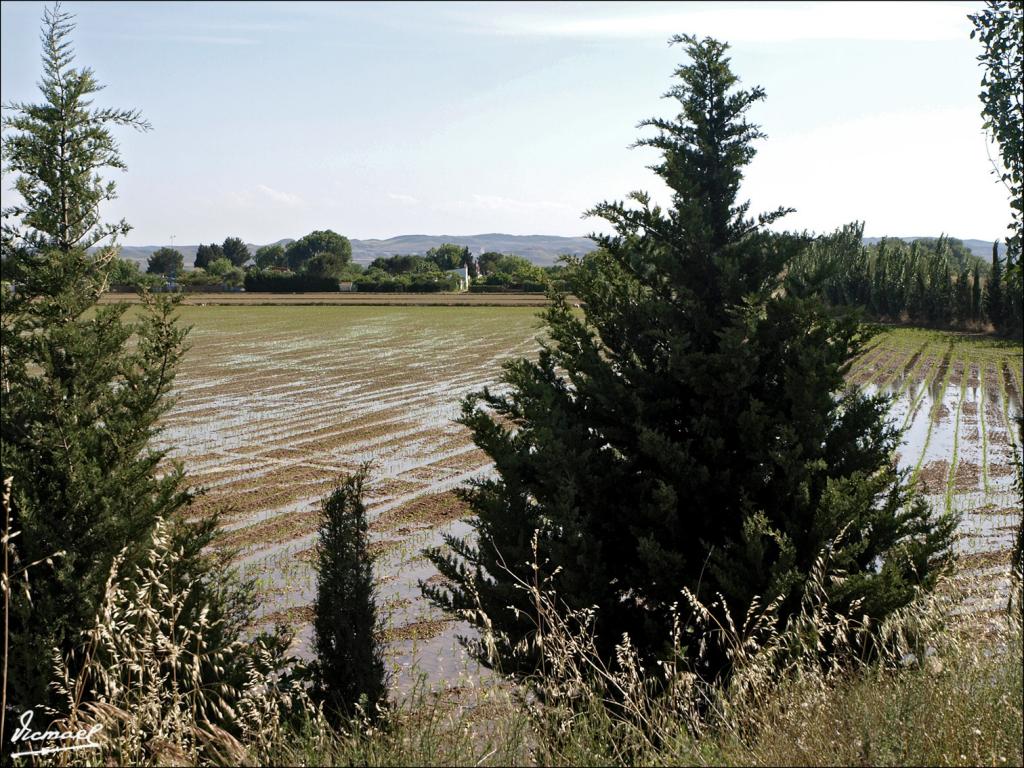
397, 285
277, 282
521, 288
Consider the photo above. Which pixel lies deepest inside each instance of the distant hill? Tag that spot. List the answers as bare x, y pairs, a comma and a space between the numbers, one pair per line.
542, 250
141, 253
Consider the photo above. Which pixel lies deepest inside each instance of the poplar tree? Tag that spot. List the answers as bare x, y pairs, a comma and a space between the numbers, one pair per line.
994, 291
691, 428
999, 28
80, 400
963, 296
976, 306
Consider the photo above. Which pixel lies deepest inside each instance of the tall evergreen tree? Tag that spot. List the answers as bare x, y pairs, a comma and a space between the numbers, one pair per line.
940, 291
349, 665
207, 254
166, 261
963, 296
693, 428
235, 250
976, 307
79, 400
994, 290
917, 293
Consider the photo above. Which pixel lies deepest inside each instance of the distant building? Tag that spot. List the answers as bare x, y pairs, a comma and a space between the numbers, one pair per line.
463, 274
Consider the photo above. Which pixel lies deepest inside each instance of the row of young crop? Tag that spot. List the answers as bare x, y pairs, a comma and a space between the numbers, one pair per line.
269, 442
956, 398
268, 422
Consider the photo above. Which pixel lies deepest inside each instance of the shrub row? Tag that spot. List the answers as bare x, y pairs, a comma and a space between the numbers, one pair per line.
278, 282
398, 285
526, 287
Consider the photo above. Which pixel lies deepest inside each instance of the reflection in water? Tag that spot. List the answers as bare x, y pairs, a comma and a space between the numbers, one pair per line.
1011, 390
938, 381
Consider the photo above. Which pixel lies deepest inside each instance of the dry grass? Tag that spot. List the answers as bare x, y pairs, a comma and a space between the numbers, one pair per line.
939, 692
162, 685
942, 689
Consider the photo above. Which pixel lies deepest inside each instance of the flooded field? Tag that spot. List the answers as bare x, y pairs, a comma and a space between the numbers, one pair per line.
957, 396
275, 404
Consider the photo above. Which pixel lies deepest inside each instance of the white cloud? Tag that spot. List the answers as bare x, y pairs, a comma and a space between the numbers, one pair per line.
246, 26
257, 197
407, 199
214, 39
284, 198
202, 39
498, 203
905, 173
743, 22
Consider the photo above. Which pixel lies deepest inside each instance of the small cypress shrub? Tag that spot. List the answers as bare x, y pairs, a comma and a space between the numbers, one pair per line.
349, 665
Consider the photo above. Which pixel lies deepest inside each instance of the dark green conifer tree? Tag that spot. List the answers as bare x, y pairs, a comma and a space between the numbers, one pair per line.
940, 290
235, 250
994, 290
80, 400
82, 389
207, 254
976, 307
692, 428
963, 296
880, 287
349, 665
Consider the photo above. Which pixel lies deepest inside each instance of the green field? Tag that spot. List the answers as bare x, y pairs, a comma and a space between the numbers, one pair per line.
275, 403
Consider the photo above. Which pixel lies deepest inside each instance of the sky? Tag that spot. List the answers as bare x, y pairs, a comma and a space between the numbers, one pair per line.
271, 120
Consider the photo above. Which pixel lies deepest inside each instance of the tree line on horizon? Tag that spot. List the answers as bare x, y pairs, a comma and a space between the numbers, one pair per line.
933, 282
929, 282
321, 260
